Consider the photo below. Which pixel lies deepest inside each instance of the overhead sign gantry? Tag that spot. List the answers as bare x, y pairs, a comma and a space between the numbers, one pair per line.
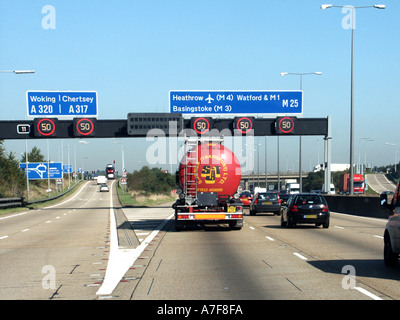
140, 124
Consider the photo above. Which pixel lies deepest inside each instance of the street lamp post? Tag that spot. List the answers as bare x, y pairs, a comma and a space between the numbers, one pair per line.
301, 88
26, 141
395, 155
327, 6
17, 71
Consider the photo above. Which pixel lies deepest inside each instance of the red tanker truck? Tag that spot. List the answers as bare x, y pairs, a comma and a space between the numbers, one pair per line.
209, 176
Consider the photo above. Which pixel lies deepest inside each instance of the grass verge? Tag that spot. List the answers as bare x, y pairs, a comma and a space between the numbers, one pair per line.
127, 200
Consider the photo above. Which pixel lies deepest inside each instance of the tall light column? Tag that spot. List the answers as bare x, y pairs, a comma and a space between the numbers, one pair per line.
376, 6
26, 141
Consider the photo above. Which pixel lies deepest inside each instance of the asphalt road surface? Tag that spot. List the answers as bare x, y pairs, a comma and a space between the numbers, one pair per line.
379, 183
58, 252
89, 248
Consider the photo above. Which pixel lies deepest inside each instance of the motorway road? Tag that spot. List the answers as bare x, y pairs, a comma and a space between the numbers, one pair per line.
78, 250
266, 261
58, 252
379, 183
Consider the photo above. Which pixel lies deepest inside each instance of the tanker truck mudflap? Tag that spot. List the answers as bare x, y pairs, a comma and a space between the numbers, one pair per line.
209, 176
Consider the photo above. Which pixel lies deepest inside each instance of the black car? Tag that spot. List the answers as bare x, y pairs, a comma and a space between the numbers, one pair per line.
306, 208
284, 197
265, 202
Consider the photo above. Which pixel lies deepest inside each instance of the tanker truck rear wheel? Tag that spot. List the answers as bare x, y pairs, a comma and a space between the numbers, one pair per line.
236, 225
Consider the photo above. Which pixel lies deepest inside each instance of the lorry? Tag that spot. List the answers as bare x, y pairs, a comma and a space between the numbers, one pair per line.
110, 171
335, 167
358, 183
291, 186
208, 177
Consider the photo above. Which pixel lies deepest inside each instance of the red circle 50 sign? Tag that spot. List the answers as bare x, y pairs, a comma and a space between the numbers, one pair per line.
285, 125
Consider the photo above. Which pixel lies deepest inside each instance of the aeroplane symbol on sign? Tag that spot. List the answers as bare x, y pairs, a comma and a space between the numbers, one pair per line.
209, 99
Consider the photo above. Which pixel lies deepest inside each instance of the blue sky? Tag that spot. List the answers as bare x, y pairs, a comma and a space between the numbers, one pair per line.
134, 52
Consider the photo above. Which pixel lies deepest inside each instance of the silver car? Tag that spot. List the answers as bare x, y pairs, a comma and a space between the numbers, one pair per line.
104, 188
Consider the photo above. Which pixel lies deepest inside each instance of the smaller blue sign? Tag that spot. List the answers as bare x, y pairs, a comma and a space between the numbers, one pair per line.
61, 103
67, 168
43, 170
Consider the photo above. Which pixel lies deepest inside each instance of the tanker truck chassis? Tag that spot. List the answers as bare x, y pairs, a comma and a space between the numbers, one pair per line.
209, 176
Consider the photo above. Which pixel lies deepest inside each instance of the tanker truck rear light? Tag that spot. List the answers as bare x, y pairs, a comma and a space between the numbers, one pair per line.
236, 216
186, 216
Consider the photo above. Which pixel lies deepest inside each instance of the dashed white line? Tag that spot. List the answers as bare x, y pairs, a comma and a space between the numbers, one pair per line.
376, 236
367, 293
339, 227
252, 228
270, 239
299, 255
3, 237
25, 230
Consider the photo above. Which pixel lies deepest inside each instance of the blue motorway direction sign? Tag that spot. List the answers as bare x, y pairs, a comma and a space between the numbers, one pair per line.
67, 168
61, 103
232, 102
38, 170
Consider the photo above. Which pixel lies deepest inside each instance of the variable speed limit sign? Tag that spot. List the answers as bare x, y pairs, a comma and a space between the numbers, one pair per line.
84, 127
45, 127
243, 124
201, 125
285, 125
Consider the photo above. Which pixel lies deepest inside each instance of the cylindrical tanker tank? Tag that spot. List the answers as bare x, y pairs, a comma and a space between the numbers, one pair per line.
215, 167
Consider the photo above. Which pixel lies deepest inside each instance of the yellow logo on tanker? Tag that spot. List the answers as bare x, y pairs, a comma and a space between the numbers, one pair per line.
211, 174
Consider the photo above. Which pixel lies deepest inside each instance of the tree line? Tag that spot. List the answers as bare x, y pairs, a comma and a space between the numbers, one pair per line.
12, 178
151, 180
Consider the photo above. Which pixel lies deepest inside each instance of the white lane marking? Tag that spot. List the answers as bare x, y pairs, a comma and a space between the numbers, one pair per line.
252, 228
376, 236
339, 227
120, 260
367, 293
270, 239
3, 237
25, 230
73, 197
299, 255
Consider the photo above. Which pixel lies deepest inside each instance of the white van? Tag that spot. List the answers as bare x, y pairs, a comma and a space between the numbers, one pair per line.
101, 179
331, 189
